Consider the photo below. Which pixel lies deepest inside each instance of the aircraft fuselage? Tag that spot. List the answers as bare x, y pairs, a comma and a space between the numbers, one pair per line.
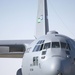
52, 54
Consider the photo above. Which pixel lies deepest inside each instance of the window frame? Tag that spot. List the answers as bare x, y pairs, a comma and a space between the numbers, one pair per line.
67, 46
48, 45
56, 45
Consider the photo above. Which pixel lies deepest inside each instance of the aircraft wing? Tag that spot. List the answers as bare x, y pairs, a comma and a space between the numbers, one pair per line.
13, 48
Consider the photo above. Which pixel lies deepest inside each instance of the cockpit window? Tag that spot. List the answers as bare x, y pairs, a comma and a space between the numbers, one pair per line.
40, 42
36, 48
55, 45
39, 46
68, 47
65, 45
47, 45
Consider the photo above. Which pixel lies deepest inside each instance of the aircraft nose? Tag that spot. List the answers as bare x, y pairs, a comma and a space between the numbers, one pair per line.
52, 66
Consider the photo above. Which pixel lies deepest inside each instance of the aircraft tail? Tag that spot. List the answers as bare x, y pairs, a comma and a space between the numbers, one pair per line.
42, 19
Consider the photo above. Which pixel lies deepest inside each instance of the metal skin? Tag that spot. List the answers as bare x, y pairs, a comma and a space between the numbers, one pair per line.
48, 61
54, 62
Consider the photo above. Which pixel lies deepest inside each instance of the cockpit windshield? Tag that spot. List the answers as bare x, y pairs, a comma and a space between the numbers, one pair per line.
46, 45
65, 45
41, 45
61, 45
55, 45
37, 48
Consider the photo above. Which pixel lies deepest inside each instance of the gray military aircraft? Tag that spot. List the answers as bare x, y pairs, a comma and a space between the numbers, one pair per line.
51, 53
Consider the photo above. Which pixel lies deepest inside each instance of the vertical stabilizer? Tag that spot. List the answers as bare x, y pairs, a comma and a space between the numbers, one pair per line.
42, 19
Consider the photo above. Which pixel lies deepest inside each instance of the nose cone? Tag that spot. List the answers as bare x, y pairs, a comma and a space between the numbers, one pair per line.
51, 66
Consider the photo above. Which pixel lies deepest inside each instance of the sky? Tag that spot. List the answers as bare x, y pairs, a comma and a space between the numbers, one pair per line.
18, 21
18, 18
9, 66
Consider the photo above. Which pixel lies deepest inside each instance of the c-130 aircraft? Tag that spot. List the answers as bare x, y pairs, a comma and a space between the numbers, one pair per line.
50, 53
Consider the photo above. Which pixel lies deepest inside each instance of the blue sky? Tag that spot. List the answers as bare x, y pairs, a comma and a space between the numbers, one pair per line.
18, 18
18, 21
62, 16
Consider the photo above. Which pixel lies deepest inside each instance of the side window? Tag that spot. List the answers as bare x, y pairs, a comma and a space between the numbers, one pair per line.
63, 45
55, 45
68, 47
46, 45
40, 42
39, 46
36, 48
43, 52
